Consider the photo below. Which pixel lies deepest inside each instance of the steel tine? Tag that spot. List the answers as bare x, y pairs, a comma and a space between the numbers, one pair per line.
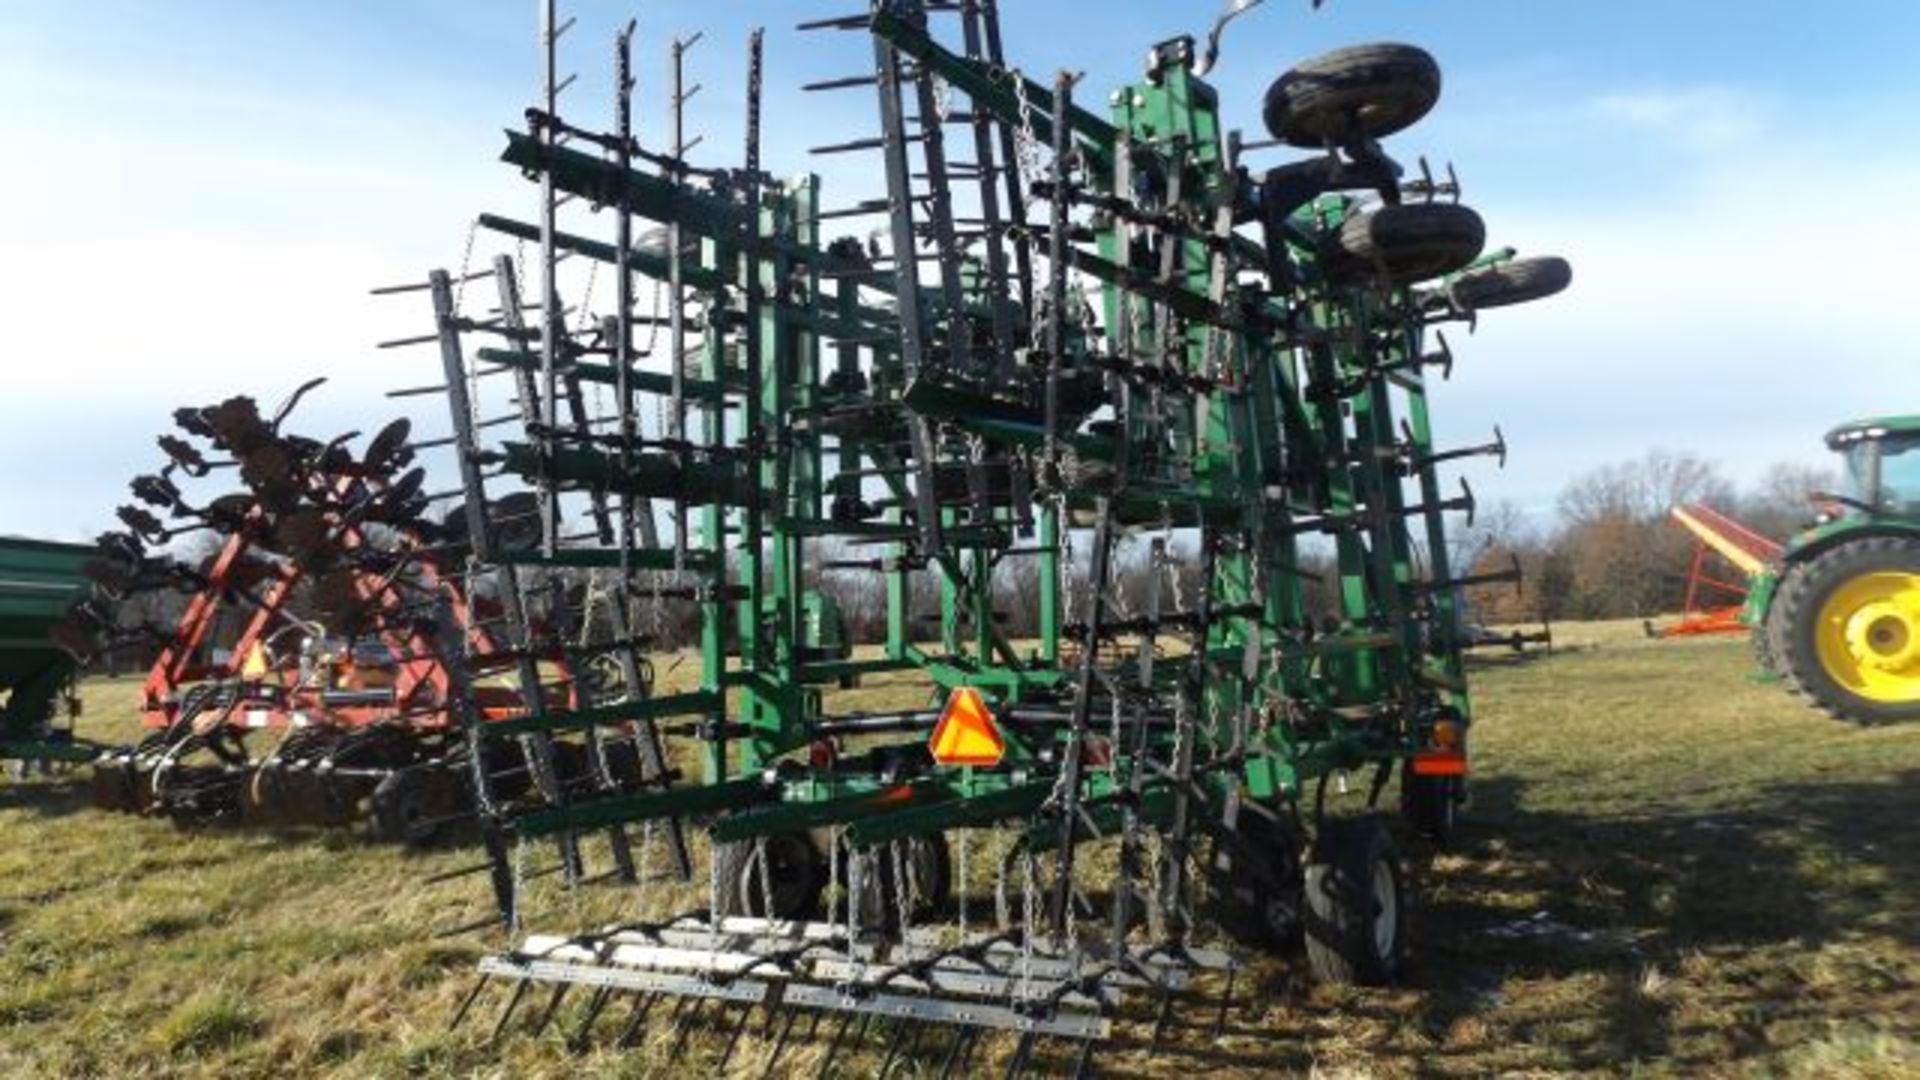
1083, 1063
466, 1003
894, 1039
553, 1006
833, 1047
642, 1005
686, 1026
1226, 1002
733, 1041
1162, 1015
960, 1039
506, 1014
595, 1006
780, 1041
1017, 1064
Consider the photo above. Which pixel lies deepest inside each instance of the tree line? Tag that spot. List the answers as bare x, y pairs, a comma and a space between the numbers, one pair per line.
1611, 550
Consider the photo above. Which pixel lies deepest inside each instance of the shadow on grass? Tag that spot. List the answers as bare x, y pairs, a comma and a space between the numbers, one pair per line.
48, 798
1611, 908
1563, 941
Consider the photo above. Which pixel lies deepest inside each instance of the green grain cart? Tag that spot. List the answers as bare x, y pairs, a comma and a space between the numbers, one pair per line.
40, 581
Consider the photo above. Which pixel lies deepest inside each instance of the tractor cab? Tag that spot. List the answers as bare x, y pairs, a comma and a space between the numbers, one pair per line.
1882, 464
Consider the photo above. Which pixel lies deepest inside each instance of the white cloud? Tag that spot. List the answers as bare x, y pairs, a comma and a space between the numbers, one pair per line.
1702, 117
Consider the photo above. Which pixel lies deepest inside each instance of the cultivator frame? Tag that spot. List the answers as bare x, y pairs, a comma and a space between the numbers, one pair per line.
927, 412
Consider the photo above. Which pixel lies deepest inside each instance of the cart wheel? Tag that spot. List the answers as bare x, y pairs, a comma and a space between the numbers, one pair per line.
1409, 243
1258, 906
1356, 904
1848, 636
1364, 91
1516, 282
796, 873
397, 811
1429, 804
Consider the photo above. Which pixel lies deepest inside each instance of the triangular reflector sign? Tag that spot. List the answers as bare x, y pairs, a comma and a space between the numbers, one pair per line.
966, 733
255, 666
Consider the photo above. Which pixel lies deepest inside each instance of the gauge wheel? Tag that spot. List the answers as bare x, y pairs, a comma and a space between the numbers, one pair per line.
1258, 906
1357, 901
1405, 244
1848, 634
1518, 282
1359, 92
796, 874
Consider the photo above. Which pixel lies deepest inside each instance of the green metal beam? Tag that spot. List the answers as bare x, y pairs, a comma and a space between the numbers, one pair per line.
687, 704
653, 805
959, 813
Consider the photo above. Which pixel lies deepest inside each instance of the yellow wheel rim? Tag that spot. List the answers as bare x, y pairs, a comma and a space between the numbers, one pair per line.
1868, 636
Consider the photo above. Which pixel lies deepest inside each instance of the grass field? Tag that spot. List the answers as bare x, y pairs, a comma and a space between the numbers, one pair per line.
1667, 870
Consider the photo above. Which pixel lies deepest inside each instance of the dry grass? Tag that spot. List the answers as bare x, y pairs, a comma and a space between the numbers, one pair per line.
1669, 870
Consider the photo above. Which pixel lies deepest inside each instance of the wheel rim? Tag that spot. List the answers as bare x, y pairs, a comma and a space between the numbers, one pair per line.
1386, 910
1868, 636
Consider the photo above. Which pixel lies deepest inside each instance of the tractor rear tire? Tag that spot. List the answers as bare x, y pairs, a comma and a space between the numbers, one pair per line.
1516, 282
796, 875
1357, 904
1360, 92
1864, 674
1408, 244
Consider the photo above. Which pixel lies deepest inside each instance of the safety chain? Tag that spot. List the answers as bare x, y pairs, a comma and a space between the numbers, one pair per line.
766, 878
1026, 145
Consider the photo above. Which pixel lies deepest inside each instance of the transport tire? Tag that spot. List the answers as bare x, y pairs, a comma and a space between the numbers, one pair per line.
1357, 904
1363, 91
1848, 630
1408, 244
796, 874
1518, 282
1430, 804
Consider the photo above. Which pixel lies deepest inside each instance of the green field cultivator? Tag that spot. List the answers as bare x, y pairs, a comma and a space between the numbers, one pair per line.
40, 583
1093, 363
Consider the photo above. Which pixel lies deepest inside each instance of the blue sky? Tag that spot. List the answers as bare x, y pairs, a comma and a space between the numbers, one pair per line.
199, 194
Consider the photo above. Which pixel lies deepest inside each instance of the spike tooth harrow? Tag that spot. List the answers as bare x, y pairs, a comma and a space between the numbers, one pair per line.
1254, 369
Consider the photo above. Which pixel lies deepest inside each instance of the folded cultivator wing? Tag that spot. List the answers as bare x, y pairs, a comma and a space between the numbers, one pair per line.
1092, 363
304, 681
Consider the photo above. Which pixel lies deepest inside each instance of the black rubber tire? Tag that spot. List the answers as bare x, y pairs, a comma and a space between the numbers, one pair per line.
1769, 640
1362, 91
1350, 856
1430, 804
797, 876
413, 806
1409, 243
1796, 611
930, 869
1242, 900
1518, 282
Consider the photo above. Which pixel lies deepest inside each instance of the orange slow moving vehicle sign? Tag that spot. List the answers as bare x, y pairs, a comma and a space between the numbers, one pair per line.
966, 733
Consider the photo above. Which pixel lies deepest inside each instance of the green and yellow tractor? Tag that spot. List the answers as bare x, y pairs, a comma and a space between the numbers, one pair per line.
1837, 614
